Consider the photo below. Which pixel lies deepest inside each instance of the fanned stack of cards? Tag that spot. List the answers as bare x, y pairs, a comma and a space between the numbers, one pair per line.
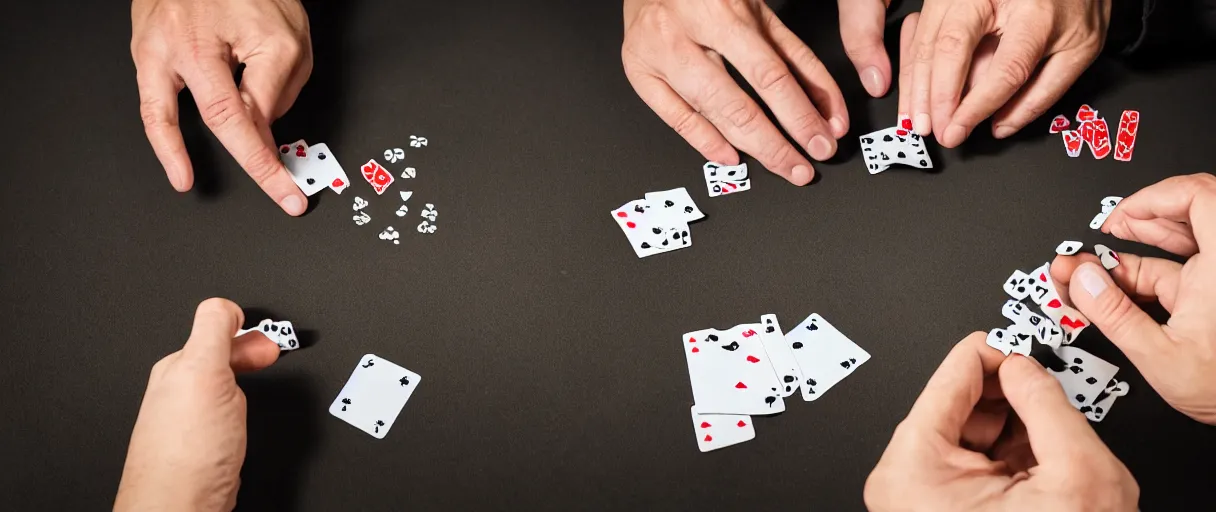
1094, 132
895, 145
658, 223
723, 179
313, 168
374, 395
750, 369
282, 333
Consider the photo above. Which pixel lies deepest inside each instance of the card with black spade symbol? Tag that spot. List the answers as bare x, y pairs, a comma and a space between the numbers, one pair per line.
675, 205
374, 395
318, 170
780, 354
825, 355
730, 372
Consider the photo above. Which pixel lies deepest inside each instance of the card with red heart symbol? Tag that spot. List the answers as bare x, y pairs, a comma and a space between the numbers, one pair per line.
376, 175
716, 431
730, 372
318, 169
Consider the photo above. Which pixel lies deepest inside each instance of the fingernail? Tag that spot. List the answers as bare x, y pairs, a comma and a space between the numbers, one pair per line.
801, 175
838, 128
1093, 282
954, 135
821, 148
871, 79
1003, 131
293, 205
921, 123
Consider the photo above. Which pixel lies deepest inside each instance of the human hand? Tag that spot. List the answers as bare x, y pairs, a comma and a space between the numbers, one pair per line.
673, 56
188, 443
960, 448
862, 25
936, 60
198, 44
1178, 358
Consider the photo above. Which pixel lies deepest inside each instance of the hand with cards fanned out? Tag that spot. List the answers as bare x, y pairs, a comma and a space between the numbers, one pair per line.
192, 394
195, 44
996, 433
1177, 215
674, 55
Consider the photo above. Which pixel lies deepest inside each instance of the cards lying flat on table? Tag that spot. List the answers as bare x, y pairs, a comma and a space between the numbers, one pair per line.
723, 179
658, 223
721, 430
731, 373
825, 355
282, 333
313, 168
374, 395
892, 146
1095, 133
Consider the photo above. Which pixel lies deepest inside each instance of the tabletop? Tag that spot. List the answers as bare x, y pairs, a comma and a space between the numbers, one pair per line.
549, 352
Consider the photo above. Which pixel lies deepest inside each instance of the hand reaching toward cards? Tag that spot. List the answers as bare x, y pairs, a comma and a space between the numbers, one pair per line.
996, 433
1179, 358
941, 88
674, 53
198, 44
188, 443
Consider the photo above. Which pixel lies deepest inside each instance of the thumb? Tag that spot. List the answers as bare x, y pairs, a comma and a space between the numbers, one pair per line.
1057, 431
1096, 296
861, 31
215, 323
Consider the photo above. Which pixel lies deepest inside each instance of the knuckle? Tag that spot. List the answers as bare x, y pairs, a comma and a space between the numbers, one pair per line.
1118, 312
924, 51
222, 110
285, 47
151, 112
1205, 182
775, 152
772, 76
261, 165
685, 123
1015, 73
952, 43
742, 114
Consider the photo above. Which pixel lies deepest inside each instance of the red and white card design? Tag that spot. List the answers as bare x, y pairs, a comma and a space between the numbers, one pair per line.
716, 431
1125, 138
1086, 113
1100, 146
377, 176
1059, 124
1072, 142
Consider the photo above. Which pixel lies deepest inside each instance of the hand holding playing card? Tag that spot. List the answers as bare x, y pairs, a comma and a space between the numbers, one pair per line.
1179, 216
960, 448
197, 44
189, 439
951, 44
673, 56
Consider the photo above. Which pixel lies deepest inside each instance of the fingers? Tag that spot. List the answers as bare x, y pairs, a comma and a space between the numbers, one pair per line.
215, 322
954, 389
768, 74
1171, 236
907, 36
1021, 48
158, 89
227, 114
1144, 279
1096, 296
923, 45
812, 75
861, 30
706, 86
272, 86
253, 351
1181, 199
1058, 433
1044, 90
692, 126
957, 39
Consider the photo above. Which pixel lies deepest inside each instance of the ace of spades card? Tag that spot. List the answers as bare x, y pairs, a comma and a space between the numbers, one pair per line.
825, 355
374, 395
730, 372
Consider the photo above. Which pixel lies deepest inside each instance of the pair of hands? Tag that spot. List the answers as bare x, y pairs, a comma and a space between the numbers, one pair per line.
990, 432
188, 443
962, 61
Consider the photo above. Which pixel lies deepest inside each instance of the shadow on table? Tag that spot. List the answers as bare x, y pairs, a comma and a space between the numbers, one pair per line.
282, 439
319, 105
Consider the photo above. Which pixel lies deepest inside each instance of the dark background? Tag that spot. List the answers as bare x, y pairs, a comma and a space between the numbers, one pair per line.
552, 377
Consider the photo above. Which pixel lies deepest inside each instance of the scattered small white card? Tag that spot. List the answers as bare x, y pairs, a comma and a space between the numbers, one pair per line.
716, 431
730, 372
281, 333
725, 179
313, 168
374, 395
824, 354
780, 354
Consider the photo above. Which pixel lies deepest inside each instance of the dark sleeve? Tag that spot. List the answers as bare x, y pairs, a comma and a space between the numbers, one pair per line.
1142, 28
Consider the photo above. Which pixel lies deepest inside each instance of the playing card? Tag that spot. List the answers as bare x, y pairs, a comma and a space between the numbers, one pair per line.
374, 395
317, 170
1068, 248
730, 372
1109, 203
1105, 400
1019, 338
281, 333
1072, 142
999, 339
649, 235
1125, 137
726, 179
1048, 333
716, 431
824, 354
1083, 375
1099, 220
890, 146
376, 175
1109, 258
1041, 285
1018, 285
780, 355
1100, 146
674, 204
1086, 113
1059, 124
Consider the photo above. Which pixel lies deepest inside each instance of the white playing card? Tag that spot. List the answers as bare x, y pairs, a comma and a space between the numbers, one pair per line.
824, 354
674, 204
1099, 220
1041, 285
780, 354
1015, 311
1048, 333
1108, 257
716, 431
873, 152
725, 179
1068, 248
1103, 403
286, 336
374, 395
730, 372
1110, 202
1018, 285
1019, 338
999, 339
646, 233
321, 169
1084, 375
